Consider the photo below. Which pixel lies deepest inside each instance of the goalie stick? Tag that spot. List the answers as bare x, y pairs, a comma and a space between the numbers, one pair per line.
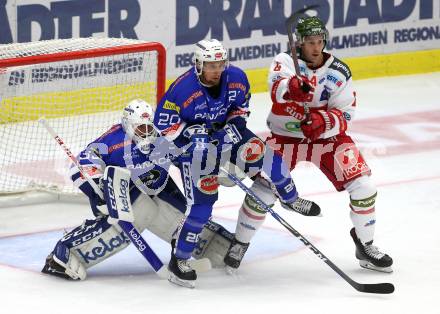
129, 229
381, 288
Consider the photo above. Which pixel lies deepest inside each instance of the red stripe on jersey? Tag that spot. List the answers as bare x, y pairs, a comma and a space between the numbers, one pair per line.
171, 130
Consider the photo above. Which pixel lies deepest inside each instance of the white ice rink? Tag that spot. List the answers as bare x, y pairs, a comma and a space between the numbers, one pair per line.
398, 128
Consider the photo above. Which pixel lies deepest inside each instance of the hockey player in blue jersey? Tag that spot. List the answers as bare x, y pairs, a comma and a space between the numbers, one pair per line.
156, 201
205, 111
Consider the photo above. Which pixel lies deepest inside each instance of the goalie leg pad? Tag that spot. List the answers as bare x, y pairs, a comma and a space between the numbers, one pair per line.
94, 241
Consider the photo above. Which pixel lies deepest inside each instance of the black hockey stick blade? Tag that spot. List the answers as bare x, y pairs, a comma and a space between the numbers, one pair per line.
380, 288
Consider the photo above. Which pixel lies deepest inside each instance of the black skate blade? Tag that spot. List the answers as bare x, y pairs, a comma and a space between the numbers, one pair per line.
181, 282
379, 288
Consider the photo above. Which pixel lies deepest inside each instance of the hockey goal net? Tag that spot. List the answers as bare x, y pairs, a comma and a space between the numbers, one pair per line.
80, 86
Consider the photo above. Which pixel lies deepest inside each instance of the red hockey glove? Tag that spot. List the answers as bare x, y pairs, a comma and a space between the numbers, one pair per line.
318, 123
300, 89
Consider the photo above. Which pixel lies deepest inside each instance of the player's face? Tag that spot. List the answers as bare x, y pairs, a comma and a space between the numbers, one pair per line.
312, 49
212, 71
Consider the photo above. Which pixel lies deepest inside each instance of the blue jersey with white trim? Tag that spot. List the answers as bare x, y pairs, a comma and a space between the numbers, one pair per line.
187, 102
115, 148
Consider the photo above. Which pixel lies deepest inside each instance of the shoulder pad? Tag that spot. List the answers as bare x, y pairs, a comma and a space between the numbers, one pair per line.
341, 67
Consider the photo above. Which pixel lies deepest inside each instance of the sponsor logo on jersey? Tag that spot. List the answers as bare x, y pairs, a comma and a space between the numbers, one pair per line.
334, 80
208, 184
252, 151
211, 116
103, 248
191, 98
321, 80
171, 106
293, 126
341, 67
118, 146
237, 86
201, 106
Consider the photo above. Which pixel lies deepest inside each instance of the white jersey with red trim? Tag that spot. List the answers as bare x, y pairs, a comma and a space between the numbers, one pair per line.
333, 93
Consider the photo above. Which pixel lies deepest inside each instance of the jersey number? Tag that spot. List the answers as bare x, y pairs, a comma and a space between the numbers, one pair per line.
168, 119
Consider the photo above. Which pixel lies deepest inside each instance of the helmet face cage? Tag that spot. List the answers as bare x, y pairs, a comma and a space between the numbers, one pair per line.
310, 26
209, 50
137, 122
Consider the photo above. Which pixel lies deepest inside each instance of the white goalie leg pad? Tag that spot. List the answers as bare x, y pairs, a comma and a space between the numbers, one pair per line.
157, 216
95, 241
214, 242
72, 265
363, 194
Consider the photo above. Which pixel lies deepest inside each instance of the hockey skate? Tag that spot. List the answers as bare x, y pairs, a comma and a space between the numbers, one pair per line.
54, 269
303, 207
181, 272
234, 255
370, 257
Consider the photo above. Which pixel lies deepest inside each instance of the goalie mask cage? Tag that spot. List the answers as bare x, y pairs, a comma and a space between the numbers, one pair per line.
80, 86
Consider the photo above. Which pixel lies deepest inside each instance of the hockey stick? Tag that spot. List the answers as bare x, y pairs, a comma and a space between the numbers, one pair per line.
128, 228
382, 288
290, 22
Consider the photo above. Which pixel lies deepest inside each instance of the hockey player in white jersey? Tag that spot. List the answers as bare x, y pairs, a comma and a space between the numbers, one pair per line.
155, 200
308, 121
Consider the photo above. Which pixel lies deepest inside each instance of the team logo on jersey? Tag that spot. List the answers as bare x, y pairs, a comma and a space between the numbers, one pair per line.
252, 151
150, 177
208, 184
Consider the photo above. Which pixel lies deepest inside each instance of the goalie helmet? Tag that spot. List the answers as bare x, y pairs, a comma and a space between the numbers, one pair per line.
209, 50
311, 26
137, 122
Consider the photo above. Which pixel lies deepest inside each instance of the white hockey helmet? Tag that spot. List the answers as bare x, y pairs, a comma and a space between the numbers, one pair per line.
137, 122
209, 50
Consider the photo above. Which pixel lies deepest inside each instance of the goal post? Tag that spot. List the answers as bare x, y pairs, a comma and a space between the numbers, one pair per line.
80, 86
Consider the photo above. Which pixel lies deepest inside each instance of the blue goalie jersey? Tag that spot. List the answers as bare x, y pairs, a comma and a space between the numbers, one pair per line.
115, 148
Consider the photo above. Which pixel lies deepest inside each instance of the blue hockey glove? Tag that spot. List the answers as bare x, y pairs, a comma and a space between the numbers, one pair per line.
229, 134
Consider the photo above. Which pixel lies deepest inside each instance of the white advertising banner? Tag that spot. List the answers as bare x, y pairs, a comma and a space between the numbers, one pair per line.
252, 30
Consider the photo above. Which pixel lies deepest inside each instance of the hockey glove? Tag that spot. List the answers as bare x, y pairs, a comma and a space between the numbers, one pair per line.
229, 135
198, 138
300, 90
319, 122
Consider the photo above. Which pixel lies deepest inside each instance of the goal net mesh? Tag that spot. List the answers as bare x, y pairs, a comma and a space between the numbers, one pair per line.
80, 94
